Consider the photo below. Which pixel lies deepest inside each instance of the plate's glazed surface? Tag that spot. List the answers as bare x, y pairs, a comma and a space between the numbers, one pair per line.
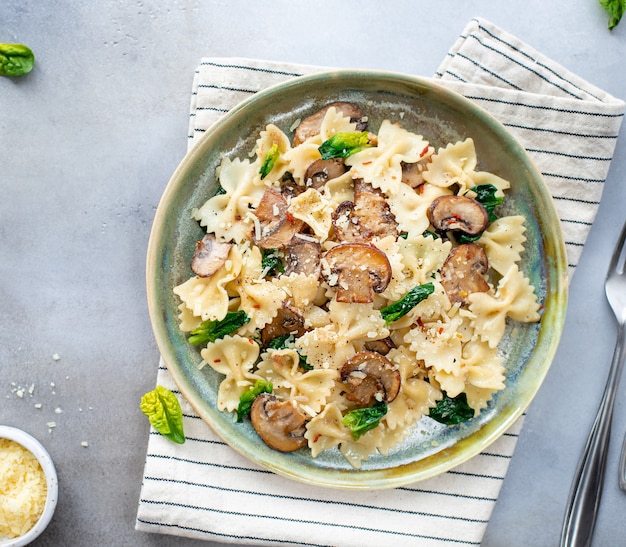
442, 117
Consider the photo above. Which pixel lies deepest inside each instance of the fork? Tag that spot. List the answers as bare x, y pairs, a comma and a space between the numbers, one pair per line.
584, 499
622, 467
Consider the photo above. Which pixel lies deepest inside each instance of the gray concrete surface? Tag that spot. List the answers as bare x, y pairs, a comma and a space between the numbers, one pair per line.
88, 141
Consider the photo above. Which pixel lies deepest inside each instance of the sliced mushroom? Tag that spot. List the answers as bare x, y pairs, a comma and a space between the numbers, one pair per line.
463, 272
357, 270
383, 346
346, 223
369, 216
273, 205
321, 171
370, 377
289, 187
277, 226
278, 423
288, 320
303, 257
209, 256
458, 213
311, 126
374, 214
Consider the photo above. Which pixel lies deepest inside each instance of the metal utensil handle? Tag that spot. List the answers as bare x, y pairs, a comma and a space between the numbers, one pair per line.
584, 499
622, 467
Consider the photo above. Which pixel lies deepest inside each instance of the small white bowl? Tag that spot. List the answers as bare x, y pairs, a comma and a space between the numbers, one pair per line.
37, 449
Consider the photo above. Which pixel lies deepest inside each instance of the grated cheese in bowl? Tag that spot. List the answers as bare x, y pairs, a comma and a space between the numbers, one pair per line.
28, 487
22, 489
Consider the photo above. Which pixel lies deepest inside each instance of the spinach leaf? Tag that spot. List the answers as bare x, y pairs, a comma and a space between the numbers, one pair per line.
272, 262
403, 306
163, 410
285, 341
15, 60
269, 161
615, 9
344, 144
210, 331
451, 411
361, 420
248, 397
486, 195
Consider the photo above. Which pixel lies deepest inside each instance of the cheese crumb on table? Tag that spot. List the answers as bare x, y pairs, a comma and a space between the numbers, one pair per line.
23, 489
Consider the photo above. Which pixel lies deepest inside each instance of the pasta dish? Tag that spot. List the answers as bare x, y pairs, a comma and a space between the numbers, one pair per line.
351, 282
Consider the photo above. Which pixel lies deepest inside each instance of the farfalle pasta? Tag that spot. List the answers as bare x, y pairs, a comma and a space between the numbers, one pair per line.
358, 278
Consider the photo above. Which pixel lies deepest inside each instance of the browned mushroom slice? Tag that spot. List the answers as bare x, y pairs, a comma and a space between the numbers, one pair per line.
346, 223
209, 256
458, 213
463, 272
288, 320
412, 174
311, 126
279, 424
321, 171
277, 226
273, 205
303, 257
370, 377
383, 346
368, 217
374, 215
358, 271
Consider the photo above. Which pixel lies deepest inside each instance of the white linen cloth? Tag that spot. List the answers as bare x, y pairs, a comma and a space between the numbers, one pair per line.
203, 489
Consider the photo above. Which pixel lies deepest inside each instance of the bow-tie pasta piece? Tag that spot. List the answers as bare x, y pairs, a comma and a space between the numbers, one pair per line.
514, 298
234, 357
381, 165
503, 242
227, 214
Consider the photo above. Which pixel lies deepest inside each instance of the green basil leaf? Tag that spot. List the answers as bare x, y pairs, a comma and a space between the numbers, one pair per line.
398, 309
361, 420
248, 397
164, 412
15, 60
210, 331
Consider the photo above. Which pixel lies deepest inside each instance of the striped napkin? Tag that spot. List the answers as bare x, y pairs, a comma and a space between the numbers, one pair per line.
203, 489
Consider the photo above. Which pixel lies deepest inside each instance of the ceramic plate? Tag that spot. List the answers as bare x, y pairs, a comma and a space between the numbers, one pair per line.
442, 117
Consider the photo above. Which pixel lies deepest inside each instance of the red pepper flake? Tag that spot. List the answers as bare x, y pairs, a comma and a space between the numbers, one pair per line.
424, 152
367, 162
257, 306
237, 217
440, 330
217, 360
317, 437
420, 189
251, 340
289, 217
420, 323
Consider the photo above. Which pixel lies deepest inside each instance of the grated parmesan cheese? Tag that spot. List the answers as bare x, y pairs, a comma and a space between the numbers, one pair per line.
23, 489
